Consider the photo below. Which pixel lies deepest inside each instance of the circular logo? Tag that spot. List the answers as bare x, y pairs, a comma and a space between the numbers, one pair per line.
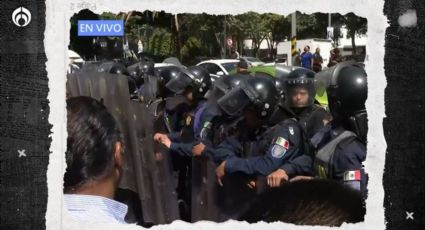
21, 17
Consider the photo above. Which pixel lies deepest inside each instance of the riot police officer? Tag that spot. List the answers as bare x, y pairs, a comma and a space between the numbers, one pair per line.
190, 87
257, 98
147, 81
193, 84
209, 121
310, 118
119, 68
341, 145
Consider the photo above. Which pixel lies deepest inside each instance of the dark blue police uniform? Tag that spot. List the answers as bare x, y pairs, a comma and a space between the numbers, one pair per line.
342, 161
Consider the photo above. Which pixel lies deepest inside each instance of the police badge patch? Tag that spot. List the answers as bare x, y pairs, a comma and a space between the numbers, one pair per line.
207, 125
281, 145
291, 130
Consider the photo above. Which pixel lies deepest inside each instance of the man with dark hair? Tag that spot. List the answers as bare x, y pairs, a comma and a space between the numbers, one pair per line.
242, 67
307, 58
94, 163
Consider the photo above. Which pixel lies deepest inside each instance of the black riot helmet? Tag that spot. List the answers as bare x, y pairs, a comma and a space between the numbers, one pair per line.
113, 67
195, 78
259, 92
119, 68
222, 86
346, 86
299, 82
227, 82
280, 87
145, 68
282, 71
164, 75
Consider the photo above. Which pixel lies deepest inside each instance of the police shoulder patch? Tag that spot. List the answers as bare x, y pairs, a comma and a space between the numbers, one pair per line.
282, 142
280, 146
278, 151
354, 175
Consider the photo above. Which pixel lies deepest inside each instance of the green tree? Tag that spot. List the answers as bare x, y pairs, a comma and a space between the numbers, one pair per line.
255, 29
192, 48
311, 25
160, 43
355, 26
278, 27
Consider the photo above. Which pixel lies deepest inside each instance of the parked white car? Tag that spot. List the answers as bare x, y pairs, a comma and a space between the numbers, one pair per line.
252, 61
219, 67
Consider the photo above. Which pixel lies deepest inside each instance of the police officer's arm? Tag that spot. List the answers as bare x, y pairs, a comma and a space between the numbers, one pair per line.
347, 165
276, 154
301, 165
229, 148
174, 136
183, 149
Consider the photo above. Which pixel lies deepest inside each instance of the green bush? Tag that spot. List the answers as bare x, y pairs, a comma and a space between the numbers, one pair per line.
160, 43
191, 49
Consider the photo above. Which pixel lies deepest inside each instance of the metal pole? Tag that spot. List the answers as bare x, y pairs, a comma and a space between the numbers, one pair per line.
329, 19
294, 24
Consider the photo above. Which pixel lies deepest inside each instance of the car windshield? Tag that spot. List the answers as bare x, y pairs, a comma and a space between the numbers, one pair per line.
229, 66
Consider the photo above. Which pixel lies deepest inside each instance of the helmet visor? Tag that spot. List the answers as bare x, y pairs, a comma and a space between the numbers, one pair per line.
178, 85
233, 102
300, 95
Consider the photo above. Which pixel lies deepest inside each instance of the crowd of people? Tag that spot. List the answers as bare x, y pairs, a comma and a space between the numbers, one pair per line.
315, 61
265, 148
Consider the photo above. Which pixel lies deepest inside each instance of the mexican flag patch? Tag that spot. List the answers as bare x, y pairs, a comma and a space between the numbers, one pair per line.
352, 175
282, 142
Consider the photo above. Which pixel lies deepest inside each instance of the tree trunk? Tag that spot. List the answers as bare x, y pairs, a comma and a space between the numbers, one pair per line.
353, 42
177, 40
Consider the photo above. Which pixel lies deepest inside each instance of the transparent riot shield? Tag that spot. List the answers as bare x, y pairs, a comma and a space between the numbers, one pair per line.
141, 173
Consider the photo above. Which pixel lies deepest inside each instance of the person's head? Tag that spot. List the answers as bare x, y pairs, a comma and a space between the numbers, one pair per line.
165, 75
255, 98
280, 84
318, 50
299, 88
299, 95
242, 66
336, 51
145, 68
113, 68
306, 48
221, 87
193, 83
347, 94
94, 147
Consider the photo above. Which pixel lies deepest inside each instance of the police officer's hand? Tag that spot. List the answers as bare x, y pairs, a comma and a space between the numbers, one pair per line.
299, 178
277, 178
157, 137
198, 149
219, 172
163, 139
